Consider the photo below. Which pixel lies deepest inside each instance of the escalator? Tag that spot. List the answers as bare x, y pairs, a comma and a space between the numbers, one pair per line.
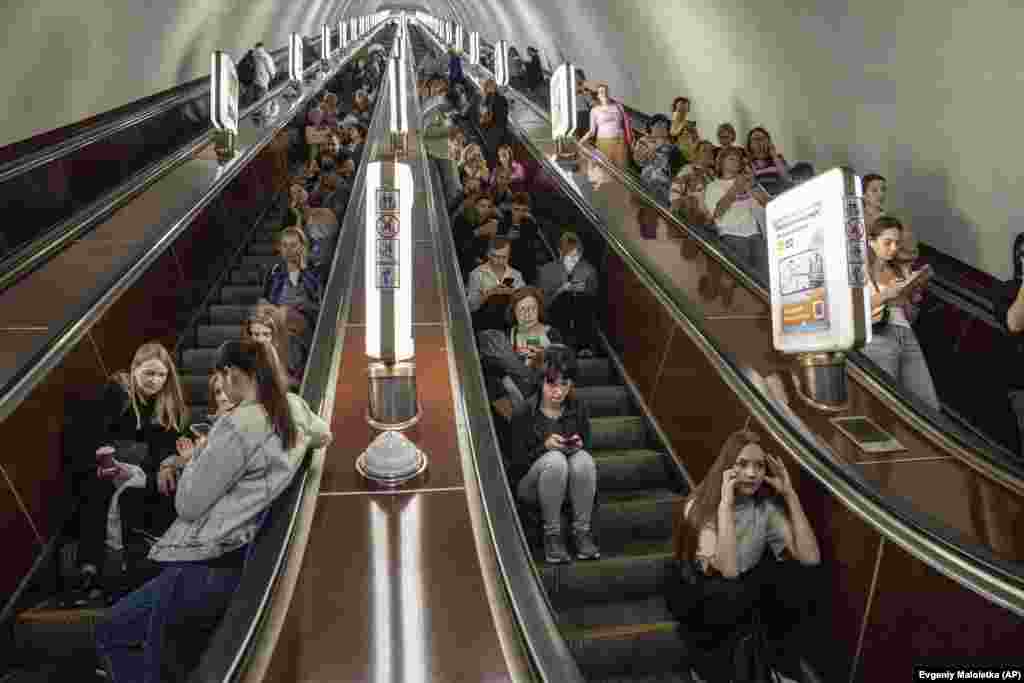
682, 326
47, 643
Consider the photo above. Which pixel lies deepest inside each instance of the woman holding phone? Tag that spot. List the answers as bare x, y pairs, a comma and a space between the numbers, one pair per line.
554, 459
896, 293
249, 458
745, 507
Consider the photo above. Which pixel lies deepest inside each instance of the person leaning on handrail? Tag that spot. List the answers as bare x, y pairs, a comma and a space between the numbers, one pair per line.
230, 480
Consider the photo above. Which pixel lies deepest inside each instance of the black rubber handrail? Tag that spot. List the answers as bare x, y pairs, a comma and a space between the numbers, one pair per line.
231, 647
549, 655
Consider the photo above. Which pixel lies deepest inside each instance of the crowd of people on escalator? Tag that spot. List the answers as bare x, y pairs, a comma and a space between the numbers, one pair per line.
168, 507
532, 309
746, 555
722, 190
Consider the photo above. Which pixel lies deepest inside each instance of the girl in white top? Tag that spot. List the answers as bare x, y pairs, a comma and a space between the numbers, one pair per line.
896, 290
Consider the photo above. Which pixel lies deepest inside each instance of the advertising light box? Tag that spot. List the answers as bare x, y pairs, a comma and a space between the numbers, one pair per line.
224, 93
563, 100
325, 43
817, 257
474, 48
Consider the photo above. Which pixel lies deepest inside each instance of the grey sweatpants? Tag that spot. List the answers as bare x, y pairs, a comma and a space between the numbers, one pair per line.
895, 349
551, 477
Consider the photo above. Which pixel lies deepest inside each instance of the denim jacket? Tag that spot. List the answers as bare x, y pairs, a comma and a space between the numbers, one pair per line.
225, 487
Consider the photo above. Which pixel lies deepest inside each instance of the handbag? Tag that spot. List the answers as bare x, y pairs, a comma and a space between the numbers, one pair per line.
750, 658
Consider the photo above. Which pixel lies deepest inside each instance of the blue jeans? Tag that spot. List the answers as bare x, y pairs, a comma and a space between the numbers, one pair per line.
186, 598
895, 349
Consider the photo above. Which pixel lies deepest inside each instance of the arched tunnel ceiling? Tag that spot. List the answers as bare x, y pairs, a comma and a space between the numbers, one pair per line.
916, 90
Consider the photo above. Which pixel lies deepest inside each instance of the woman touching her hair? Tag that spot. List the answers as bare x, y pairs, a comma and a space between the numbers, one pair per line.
744, 507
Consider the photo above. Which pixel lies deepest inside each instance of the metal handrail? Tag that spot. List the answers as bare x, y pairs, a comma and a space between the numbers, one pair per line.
549, 654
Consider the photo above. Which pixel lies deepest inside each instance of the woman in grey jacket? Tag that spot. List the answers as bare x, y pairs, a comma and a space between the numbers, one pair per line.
225, 487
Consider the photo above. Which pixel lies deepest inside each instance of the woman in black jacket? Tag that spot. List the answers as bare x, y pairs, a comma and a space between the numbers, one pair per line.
134, 426
554, 458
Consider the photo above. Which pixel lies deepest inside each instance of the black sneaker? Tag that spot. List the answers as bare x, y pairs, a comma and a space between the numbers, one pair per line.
586, 549
88, 593
555, 551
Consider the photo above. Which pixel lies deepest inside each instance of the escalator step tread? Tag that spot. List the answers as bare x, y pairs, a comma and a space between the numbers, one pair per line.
240, 294
615, 613
620, 432
630, 469
228, 314
629, 649
212, 336
618, 577
247, 275
606, 400
198, 361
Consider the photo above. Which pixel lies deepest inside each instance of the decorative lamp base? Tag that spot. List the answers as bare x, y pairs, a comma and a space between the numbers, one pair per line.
820, 381
391, 460
393, 403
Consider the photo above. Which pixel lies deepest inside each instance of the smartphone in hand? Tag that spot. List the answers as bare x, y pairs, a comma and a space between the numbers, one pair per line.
509, 281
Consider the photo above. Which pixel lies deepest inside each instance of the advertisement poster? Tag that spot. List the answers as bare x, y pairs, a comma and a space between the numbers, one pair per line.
224, 112
800, 252
559, 98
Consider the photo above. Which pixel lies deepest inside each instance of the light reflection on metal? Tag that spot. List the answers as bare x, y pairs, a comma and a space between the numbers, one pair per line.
382, 657
415, 661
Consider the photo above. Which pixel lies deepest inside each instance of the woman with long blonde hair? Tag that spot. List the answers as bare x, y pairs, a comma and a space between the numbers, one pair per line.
744, 507
128, 432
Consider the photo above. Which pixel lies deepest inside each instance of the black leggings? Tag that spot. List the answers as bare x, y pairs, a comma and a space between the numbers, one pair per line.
140, 508
715, 611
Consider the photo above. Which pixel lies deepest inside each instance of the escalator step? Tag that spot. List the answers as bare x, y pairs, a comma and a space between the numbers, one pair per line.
212, 336
45, 633
625, 517
607, 400
639, 648
618, 433
264, 261
221, 314
631, 469
198, 361
262, 248
247, 275
194, 387
245, 295
621, 577
595, 371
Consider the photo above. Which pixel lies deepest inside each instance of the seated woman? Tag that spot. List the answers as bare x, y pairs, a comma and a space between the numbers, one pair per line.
554, 461
471, 189
330, 110
745, 506
520, 228
473, 165
658, 158
449, 166
227, 484
362, 109
219, 403
688, 205
726, 135
266, 324
508, 164
322, 225
511, 359
770, 168
702, 164
491, 284
125, 436
610, 128
737, 208
896, 293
